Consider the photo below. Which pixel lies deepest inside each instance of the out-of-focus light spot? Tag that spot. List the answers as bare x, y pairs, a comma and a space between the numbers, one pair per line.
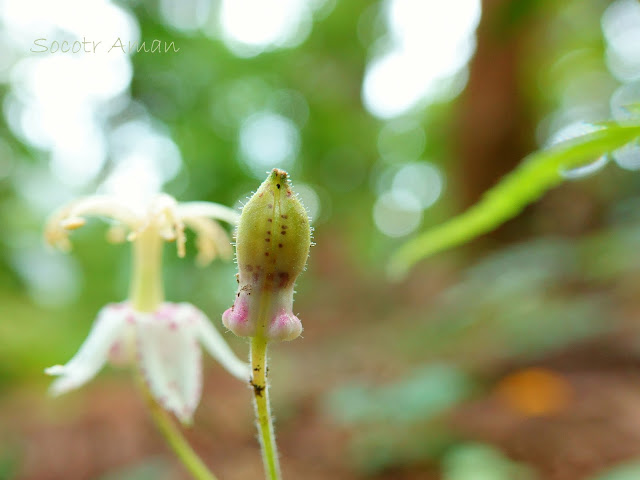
185, 15
268, 140
549, 126
397, 82
58, 101
250, 27
625, 103
397, 213
52, 280
309, 199
56, 81
140, 138
401, 141
15, 116
621, 27
77, 164
570, 132
134, 180
621, 68
34, 186
146, 159
535, 392
585, 170
418, 23
423, 180
236, 101
431, 44
628, 157
587, 90
28, 20
382, 176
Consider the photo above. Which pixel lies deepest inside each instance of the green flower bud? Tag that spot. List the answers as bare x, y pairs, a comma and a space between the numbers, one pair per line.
272, 246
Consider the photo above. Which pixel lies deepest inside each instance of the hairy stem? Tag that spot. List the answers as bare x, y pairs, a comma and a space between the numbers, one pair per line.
263, 411
175, 439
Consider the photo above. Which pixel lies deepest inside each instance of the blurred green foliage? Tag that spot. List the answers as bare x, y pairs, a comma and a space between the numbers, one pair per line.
537, 174
418, 397
626, 471
399, 422
151, 469
511, 308
481, 462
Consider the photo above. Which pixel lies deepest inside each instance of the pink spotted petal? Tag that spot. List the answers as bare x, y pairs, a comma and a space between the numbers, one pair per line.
214, 343
170, 359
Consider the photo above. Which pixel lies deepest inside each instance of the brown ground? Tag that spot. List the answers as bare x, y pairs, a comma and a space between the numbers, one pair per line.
103, 427
106, 428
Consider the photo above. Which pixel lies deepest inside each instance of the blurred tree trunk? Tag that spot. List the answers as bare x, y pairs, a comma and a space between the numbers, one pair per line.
495, 127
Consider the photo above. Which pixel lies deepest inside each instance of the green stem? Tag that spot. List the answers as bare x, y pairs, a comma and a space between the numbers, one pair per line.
147, 292
176, 440
263, 412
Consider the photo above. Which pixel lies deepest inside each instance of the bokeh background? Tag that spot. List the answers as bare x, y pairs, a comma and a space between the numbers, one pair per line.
516, 356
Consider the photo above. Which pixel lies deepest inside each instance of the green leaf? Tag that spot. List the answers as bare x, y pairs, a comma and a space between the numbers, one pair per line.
420, 396
538, 173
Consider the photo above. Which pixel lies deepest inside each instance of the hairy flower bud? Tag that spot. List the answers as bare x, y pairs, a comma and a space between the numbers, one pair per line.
272, 246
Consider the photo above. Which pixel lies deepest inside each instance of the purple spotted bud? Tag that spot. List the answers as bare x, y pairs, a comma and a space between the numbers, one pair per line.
272, 246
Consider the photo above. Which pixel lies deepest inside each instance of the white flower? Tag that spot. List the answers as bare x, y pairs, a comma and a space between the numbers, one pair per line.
162, 214
165, 347
162, 339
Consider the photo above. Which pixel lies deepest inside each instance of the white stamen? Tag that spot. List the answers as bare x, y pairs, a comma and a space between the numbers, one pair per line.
73, 223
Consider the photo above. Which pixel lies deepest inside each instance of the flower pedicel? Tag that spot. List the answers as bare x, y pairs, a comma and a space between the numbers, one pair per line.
272, 246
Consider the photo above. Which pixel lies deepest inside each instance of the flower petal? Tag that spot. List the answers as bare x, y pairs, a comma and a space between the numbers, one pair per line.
215, 344
107, 206
93, 353
208, 210
71, 216
170, 359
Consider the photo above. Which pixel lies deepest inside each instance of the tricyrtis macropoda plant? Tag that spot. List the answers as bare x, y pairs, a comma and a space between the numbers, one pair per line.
272, 245
160, 339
